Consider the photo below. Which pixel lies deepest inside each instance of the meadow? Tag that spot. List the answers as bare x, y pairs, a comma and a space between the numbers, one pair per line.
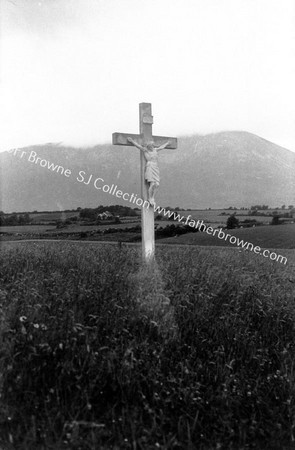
55, 225
51, 216
101, 352
210, 216
271, 237
27, 229
51, 229
215, 217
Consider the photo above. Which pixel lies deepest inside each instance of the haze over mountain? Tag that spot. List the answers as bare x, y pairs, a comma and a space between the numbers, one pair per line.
217, 170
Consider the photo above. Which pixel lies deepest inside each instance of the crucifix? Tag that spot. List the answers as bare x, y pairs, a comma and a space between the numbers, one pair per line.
149, 146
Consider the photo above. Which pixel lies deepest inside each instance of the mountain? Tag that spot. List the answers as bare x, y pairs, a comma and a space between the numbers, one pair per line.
233, 168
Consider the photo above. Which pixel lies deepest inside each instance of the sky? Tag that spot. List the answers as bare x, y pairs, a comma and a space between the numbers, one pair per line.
74, 71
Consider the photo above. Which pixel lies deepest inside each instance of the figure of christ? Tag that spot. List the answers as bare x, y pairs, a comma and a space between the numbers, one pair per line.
152, 173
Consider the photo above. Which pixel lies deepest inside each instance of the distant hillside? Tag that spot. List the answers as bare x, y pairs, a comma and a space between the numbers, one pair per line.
216, 170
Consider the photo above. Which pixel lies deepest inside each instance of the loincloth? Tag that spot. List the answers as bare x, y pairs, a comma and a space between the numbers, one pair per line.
152, 172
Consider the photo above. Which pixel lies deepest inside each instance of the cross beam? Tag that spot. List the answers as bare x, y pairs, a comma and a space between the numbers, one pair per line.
146, 135
121, 139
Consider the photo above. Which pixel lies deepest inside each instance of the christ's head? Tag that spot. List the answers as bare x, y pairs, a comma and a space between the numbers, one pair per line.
150, 146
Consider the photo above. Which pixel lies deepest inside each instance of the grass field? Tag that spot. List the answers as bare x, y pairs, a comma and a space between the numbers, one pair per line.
276, 236
51, 216
215, 217
269, 237
100, 352
27, 229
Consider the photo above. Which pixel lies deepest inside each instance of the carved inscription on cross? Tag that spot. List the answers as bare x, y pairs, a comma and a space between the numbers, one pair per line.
149, 145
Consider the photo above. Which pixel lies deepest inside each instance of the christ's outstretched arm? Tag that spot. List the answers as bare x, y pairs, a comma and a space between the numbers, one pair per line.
162, 147
143, 149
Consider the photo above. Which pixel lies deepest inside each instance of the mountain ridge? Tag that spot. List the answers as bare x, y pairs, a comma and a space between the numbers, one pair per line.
217, 170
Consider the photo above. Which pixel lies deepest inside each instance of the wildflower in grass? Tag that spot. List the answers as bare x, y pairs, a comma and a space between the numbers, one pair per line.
23, 318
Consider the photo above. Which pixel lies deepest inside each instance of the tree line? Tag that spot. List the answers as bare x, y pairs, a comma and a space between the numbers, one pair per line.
14, 219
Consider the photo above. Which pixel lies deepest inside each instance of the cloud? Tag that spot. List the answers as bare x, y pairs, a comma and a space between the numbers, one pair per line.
75, 71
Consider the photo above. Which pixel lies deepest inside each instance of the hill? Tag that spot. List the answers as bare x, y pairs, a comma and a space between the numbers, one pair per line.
217, 170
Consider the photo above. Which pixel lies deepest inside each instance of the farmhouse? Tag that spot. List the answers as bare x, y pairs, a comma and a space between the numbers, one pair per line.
105, 215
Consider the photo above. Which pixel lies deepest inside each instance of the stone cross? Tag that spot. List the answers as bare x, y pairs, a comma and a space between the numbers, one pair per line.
145, 136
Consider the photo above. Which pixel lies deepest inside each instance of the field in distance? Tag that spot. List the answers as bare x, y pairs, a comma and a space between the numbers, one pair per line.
210, 216
277, 236
216, 217
68, 225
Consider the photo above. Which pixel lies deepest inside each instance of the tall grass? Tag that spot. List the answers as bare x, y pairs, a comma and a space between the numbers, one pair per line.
100, 352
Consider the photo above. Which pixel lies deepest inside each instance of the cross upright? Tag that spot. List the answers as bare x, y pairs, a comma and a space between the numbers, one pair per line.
145, 136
